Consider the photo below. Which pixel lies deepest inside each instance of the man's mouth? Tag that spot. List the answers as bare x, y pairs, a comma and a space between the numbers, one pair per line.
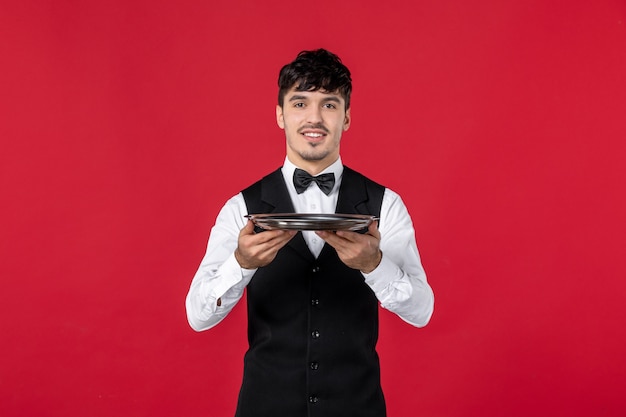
313, 132
313, 135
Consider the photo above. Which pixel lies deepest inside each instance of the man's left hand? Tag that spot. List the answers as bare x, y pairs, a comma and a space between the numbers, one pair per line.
358, 251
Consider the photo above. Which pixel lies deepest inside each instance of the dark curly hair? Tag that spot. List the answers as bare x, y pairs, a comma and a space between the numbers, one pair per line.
313, 71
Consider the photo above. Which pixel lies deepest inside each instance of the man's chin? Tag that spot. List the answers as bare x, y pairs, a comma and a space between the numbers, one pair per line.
313, 157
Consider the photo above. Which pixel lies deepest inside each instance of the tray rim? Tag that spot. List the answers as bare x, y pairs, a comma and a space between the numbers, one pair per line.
329, 221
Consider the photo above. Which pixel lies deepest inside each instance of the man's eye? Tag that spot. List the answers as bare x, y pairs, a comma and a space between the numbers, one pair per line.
329, 106
298, 105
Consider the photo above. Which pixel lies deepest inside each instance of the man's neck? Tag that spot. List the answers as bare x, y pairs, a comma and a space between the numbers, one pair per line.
312, 167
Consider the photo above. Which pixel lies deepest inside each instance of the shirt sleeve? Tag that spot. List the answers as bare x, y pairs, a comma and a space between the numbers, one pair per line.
219, 276
399, 281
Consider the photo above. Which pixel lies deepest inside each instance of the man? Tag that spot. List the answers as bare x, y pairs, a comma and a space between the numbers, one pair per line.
312, 296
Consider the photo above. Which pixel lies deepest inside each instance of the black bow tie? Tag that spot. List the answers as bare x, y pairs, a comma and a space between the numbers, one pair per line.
302, 180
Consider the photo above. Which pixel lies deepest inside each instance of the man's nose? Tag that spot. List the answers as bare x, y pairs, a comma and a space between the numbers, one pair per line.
314, 114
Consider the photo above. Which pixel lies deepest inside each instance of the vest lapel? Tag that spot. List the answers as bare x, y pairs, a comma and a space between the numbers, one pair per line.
275, 197
274, 194
352, 194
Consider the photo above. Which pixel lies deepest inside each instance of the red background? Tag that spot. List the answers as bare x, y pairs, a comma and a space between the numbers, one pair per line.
501, 123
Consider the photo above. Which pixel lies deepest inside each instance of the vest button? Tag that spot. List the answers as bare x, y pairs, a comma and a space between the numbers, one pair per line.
315, 302
315, 334
315, 269
313, 399
314, 366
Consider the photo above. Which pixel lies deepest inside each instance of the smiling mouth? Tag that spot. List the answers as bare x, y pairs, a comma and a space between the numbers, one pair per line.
313, 131
314, 138
313, 134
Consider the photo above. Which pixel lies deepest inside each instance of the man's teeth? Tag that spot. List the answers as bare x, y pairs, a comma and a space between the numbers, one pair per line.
313, 135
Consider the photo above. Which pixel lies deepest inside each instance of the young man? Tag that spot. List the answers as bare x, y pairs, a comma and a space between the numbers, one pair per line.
312, 296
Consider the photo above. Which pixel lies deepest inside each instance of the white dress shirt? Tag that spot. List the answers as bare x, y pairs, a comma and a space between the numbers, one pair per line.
399, 281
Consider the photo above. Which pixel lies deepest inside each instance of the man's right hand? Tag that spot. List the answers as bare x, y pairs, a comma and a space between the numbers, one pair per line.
255, 250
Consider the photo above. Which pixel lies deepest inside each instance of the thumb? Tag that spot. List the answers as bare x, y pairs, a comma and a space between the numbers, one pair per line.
373, 230
248, 229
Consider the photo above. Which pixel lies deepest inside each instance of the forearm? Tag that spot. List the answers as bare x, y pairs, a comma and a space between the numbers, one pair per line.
220, 281
406, 294
399, 280
213, 295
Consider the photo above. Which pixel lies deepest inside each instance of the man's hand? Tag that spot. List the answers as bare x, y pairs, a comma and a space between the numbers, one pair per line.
358, 251
255, 250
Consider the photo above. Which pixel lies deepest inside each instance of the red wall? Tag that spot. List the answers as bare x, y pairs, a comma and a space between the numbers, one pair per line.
125, 125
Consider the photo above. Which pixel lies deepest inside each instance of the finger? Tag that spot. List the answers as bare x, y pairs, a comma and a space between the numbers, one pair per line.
248, 229
273, 245
256, 251
328, 237
281, 239
334, 240
275, 236
349, 236
373, 230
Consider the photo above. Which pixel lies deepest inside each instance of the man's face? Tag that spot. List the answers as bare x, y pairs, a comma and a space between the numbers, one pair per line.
313, 122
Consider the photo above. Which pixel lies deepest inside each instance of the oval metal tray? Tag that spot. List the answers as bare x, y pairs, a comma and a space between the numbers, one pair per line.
312, 221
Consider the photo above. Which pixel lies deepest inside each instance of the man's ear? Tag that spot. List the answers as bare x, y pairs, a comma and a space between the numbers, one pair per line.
346, 120
280, 120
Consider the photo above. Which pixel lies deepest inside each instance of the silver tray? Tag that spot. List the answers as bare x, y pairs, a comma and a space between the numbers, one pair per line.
310, 221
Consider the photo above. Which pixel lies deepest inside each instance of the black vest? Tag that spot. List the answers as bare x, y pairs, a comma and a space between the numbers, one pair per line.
312, 323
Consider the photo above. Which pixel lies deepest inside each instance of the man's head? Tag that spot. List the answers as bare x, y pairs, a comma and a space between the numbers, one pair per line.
318, 70
314, 108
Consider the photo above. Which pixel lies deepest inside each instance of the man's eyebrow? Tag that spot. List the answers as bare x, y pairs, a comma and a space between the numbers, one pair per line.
332, 98
297, 97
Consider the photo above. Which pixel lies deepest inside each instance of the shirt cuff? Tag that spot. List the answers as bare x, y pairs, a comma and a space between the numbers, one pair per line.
234, 276
381, 278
